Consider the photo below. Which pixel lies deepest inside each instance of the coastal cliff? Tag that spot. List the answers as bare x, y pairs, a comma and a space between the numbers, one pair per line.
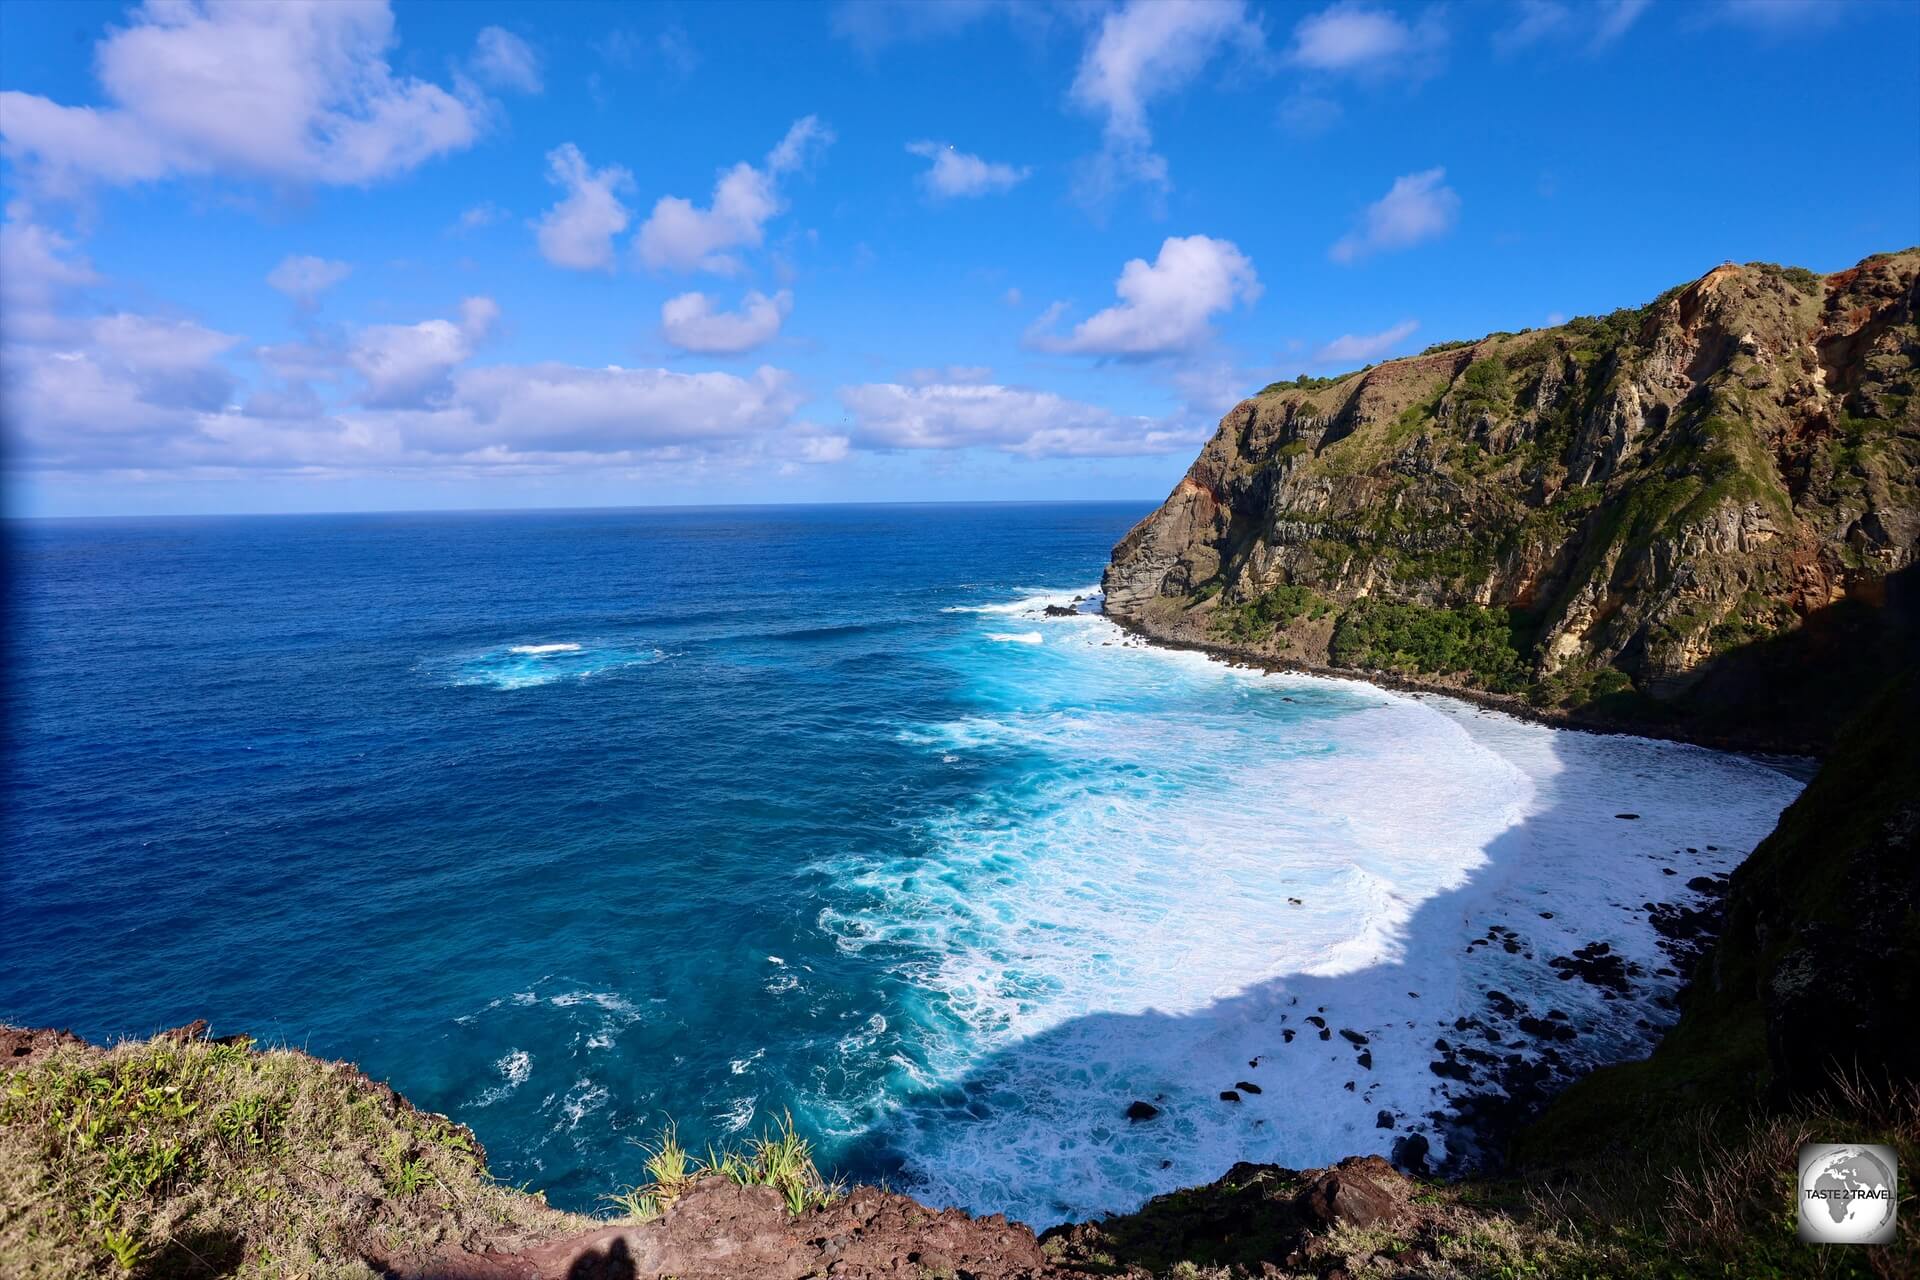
1644, 519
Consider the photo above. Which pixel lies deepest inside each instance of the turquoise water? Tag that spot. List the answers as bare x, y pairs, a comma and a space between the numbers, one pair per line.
569, 824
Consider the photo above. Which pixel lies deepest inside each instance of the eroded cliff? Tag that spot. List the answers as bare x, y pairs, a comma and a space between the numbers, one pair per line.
1643, 517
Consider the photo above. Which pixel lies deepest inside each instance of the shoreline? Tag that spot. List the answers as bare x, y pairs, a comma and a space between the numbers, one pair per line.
1799, 760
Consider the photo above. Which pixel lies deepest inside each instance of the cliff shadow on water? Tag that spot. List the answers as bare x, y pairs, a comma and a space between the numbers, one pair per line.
1496, 994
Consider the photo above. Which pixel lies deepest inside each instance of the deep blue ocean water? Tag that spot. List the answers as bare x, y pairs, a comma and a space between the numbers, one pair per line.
570, 823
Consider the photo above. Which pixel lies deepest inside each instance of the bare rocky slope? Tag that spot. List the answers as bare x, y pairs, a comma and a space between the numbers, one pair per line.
1646, 518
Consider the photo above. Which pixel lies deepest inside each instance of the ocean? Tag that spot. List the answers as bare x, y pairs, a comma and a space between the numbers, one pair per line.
571, 824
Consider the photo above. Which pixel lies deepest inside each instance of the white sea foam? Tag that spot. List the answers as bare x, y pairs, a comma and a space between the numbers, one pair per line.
581, 1101
1030, 604
738, 1114
1016, 637
526, 666
611, 1001
1181, 861
515, 1069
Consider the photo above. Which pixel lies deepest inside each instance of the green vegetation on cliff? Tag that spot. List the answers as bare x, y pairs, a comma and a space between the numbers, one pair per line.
1489, 645
1277, 607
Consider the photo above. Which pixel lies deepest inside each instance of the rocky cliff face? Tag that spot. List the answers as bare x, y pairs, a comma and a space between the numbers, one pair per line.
1598, 515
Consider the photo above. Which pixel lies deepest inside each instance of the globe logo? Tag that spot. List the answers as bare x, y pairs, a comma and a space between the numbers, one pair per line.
1848, 1194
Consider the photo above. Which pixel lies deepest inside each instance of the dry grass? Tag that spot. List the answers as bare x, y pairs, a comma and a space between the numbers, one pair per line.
1714, 1194
170, 1158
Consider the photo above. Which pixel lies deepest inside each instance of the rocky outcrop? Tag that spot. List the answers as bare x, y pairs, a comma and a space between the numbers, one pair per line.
1608, 518
722, 1231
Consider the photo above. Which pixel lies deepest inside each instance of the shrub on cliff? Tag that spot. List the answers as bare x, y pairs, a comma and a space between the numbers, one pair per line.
1488, 645
1274, 609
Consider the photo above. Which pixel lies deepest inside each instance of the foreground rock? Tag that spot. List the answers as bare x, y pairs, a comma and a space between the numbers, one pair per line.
721, 1231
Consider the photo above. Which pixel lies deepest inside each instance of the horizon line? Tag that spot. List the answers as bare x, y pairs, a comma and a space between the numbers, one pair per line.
8, 519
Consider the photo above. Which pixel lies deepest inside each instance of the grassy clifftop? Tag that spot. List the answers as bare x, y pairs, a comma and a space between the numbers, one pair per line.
185, 1158
1606, 517
180, 1156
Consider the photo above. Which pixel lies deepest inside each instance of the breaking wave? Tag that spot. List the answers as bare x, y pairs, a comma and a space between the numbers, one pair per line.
525, 666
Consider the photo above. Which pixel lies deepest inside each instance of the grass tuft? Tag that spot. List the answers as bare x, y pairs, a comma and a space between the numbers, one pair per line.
780, 1159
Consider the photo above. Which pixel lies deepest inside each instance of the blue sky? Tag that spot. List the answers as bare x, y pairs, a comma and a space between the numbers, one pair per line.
358, 256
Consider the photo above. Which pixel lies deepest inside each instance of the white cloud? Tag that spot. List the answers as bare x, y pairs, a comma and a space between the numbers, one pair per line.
805, 138
408, 365
1419, 206
1164, 306
505, 61
1601, 22
872, 25
1013, 420
1615, 17
296, 92
1012, 297
1364, 348
74, 409
136, 393
691, 322
37, 267
578, 232
304, 277
1145, 50
558, 408
680, 236
173, 363
669, 54
308, 361
1307, 114
822, 448
957, 173
484, 214
1533, 21
113, 389
1357, 39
